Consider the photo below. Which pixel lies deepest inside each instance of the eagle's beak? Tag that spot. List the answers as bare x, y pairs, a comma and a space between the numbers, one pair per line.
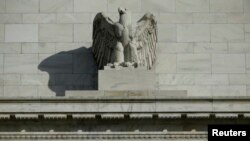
120, 10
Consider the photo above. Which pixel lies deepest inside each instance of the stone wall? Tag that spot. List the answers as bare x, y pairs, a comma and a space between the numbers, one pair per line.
204, 45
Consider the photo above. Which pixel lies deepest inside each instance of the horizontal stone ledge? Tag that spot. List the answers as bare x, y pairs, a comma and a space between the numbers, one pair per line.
96, 96
129, 99
124, 116
126, 94
177, 105
104, 135
130, 96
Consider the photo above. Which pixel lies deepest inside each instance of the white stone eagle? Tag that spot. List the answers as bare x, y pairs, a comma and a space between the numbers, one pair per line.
115, 43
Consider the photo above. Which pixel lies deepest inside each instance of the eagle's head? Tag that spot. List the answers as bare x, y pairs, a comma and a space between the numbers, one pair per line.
122, 10
149, 16
125, 16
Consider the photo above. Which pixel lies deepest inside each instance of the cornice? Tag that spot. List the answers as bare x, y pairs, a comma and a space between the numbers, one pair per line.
118, 99
131, 116
103, 135
120, 108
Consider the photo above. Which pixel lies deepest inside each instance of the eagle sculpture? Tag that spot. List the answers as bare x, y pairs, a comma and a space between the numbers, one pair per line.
117, 44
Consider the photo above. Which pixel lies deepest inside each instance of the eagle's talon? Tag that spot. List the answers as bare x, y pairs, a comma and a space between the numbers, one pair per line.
127, 64
116, 64
110, 64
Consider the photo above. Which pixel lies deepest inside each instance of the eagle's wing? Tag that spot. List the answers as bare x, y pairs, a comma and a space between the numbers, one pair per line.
104, 39
146, 36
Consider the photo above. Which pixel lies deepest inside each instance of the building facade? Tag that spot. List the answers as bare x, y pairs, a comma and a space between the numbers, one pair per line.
49, 79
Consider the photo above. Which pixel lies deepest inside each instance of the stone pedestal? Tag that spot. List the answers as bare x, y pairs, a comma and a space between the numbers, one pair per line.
127, 79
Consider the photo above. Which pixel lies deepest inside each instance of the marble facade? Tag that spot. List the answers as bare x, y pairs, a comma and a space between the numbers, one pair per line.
50, 87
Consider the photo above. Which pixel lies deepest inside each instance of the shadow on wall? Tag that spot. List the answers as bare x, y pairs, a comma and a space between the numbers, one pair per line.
71, 70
